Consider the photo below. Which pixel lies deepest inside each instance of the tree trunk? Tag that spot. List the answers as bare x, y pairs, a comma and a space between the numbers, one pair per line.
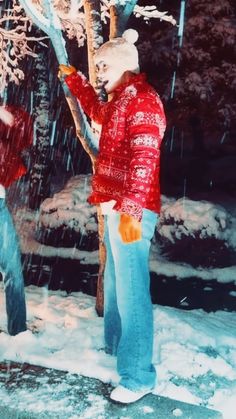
94, 33
119, 16
39, 187
94, 41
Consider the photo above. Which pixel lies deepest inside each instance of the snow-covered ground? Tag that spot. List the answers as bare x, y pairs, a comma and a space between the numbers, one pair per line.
194, 351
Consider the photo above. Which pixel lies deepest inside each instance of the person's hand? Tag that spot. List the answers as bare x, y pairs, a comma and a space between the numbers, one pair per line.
6, 117
129, 228
65, 70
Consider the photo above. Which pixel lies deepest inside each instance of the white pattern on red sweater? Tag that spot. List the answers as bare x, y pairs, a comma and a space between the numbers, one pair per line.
128, 164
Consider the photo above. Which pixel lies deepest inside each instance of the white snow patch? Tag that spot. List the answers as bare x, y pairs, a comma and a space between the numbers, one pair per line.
194, 351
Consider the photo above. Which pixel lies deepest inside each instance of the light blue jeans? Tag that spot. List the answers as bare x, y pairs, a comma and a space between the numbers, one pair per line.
128, 313
10, 267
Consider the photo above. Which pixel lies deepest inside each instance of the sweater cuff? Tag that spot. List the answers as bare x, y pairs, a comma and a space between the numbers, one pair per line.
127, 206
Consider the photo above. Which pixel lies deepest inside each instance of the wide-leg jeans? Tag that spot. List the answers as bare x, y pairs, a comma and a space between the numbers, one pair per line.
10, 267
128, 312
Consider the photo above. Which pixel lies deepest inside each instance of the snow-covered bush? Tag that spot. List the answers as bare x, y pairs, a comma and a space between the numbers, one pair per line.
185, 217
199, 233
67, 219
196, 232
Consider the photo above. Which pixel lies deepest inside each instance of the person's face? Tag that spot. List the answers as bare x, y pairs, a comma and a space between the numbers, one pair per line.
109, 75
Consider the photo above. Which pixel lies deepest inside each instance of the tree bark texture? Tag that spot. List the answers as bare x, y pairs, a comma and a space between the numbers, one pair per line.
39, 186
94, 33
119, 16
94, 41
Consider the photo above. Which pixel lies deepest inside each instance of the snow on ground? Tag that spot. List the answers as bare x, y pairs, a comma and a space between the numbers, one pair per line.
194, 351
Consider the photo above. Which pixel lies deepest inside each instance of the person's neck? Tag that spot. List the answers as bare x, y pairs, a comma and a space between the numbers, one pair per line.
125, 79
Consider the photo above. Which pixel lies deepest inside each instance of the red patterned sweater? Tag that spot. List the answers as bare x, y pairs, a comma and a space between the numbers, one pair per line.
13, 140
128, 163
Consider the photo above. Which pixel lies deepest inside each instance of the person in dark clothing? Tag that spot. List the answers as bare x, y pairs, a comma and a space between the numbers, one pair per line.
16, 134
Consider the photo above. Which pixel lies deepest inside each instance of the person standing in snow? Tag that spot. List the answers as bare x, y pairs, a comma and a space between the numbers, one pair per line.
126, 185
16, 134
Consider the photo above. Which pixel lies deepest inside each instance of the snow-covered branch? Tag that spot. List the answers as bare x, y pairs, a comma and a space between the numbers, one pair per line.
146, 12
14, 45
52, 16
35, 15
16, 35
150, 12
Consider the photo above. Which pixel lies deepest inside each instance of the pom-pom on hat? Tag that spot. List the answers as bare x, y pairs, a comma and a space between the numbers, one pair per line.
120, 52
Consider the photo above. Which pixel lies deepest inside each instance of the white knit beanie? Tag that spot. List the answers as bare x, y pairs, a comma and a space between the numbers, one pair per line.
120, 52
